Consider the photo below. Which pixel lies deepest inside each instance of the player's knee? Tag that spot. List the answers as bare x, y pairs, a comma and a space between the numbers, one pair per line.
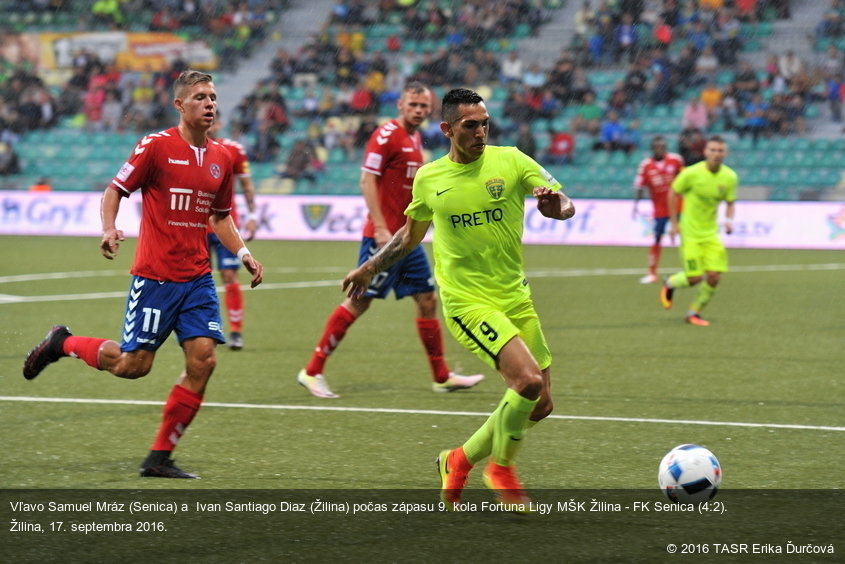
713, 278
543, 408
427, 304
203, 365
530, 384
131, 371
357, 306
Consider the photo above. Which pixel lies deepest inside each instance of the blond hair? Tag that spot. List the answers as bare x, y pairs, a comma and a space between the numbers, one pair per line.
189, 78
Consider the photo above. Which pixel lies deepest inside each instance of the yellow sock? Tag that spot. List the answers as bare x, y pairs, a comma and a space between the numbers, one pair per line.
510, 426
480, 444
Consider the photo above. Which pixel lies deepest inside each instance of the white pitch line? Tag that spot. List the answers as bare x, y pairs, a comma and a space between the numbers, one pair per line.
428, 412
305, 284
125, 273
12, 299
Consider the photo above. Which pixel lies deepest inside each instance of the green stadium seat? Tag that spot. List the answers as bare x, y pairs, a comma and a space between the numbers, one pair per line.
521, 31
660, 112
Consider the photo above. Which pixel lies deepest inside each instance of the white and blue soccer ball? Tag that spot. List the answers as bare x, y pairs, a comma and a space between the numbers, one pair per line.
689, 474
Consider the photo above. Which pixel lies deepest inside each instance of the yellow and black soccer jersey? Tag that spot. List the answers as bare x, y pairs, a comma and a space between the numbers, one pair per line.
478, 215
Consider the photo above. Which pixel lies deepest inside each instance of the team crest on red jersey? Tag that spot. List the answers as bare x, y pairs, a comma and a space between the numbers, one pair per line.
495, 187
215, 170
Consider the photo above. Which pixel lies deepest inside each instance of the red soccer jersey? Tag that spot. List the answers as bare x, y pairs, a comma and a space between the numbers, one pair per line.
240, 164
657, 176
393, 155
181, 187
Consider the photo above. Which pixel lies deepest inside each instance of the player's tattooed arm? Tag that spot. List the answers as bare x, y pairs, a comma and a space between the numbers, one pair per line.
402, 243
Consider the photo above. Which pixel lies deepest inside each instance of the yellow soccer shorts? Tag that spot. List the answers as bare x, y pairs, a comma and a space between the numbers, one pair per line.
484, 330
703, 255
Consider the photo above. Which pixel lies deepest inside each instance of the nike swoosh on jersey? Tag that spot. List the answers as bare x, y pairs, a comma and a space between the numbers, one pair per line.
443, 191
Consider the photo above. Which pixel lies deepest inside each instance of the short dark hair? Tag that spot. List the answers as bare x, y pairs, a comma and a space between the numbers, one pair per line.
415, 87
189, 77
455, 98
717, 139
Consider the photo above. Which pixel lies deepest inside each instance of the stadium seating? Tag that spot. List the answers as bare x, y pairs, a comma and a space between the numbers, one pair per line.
782, 167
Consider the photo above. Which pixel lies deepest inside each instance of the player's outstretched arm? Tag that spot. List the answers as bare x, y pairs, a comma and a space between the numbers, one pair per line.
112, 236
554, 204
403, 242
224, 228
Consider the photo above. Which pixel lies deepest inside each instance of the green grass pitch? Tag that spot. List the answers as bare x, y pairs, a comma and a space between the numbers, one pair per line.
762, 387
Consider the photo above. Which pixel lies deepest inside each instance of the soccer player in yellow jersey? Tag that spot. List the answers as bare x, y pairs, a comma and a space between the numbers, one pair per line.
475, 196
704, 186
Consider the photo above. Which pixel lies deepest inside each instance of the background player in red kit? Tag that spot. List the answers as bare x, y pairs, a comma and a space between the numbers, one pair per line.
656, 174
391, 159
185, 180
227, 262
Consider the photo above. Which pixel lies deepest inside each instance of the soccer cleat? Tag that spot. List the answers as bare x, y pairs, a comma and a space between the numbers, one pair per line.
504, 483
236, 341
666, 294
457, 382
47, 352
648, 279
166, 469
317, 385
695, 319
453, 468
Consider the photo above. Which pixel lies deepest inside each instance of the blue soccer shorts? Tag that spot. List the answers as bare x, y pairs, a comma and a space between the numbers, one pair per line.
226, 259
660, 226
411, 275
154, 309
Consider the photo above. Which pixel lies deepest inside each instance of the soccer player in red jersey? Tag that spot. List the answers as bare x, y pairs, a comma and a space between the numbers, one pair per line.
185, 180
656, 174
391, 159
227, 262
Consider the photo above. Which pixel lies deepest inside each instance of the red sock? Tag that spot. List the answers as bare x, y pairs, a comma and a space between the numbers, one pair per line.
86, 349
235, 306
182, 404
336, 327
432, 340
653, 258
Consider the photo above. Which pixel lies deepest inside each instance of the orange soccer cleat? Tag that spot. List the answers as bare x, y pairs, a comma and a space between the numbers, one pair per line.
453, 467
695, 319
507, 487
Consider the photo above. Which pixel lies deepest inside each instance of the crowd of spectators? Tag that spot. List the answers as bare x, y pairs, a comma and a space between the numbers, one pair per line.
98, 96
672, 52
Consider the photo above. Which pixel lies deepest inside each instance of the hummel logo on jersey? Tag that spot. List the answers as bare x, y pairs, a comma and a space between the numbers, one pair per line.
443, 191
177, 161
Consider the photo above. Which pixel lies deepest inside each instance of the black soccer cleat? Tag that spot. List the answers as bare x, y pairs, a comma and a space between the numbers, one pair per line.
47, 352
236, 341
166, 469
